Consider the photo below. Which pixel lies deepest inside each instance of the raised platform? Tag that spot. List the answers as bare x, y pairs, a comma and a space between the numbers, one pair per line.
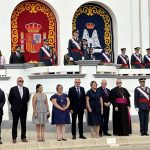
50, 76
51, 142
53, 76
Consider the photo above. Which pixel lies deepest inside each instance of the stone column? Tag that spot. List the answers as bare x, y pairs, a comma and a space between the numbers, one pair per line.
144, 23
135, 24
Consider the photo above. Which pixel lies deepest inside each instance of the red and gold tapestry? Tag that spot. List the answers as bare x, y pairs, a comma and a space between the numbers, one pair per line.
31, 22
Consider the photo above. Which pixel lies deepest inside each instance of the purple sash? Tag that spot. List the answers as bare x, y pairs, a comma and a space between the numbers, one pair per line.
121, 100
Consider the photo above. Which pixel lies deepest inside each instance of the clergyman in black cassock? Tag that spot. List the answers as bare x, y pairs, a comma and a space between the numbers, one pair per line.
121, 106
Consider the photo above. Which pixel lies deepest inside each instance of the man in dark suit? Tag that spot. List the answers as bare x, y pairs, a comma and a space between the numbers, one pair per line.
17, 57
105, 92
18, 98
46, 54
76, 95
142, 105
2, 102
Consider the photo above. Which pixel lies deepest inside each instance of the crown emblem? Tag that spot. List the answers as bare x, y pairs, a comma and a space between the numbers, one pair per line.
90, 25
33, 27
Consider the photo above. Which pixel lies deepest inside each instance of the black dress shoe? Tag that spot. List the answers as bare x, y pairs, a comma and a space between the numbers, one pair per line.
73, 137
146, 134
14, 141
107, 134
100, 134
142, 134
63, 139
24, 140
82, 137
1, 142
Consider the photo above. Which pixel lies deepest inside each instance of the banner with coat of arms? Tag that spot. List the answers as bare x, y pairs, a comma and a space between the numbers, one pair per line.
94, 24
31, 22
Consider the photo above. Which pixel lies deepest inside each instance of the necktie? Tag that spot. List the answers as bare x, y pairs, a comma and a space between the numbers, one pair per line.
106, 92
21, 92
78, 91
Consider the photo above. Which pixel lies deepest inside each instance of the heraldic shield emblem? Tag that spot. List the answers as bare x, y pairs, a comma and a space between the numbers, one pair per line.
31, 23
33, 37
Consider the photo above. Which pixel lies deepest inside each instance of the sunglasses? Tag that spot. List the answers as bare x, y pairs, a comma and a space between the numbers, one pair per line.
21, 81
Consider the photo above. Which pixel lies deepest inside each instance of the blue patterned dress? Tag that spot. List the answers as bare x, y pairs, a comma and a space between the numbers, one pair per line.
59, 116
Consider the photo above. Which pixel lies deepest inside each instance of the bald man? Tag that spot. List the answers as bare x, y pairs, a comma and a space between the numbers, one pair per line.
121, 106
105, 92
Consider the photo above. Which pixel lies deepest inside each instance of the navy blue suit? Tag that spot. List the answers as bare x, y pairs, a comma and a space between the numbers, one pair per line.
106, 99
77, 104
43, 57
73, 50
134, 61
146, 61
104, 60
120, 61
97, 56
141, 102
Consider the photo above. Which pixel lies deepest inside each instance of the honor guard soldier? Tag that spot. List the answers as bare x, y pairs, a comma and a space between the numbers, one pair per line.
142, 105
136, 59
123, 59
74, 47
106, 56
46, 53
147, 58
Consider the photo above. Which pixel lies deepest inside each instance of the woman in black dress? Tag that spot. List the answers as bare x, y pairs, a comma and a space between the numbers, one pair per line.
94, 104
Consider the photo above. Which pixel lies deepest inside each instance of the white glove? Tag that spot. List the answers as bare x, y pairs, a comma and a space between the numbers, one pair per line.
137, 109
116, 108
71, 58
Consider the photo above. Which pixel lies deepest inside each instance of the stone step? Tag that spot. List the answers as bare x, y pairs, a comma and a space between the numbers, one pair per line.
79, 143
52, 143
